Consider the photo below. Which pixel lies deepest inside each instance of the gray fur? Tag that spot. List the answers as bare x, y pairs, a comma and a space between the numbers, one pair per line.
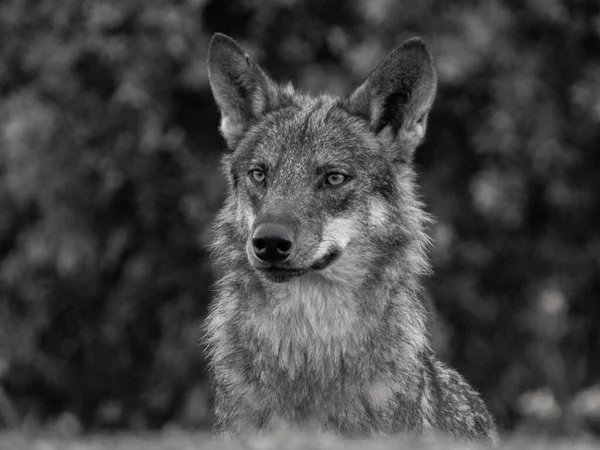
342, 348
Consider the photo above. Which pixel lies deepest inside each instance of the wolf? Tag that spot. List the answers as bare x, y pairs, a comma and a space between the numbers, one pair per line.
319, 321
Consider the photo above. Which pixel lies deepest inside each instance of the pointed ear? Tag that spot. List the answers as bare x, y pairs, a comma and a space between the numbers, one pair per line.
241, 89
398, 94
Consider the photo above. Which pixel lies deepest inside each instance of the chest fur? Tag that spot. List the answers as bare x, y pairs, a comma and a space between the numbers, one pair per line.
309, 328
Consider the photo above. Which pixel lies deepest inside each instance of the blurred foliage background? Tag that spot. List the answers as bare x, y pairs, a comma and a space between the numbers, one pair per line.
109, 182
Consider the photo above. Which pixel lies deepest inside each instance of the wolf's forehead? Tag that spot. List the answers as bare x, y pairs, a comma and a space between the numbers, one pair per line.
318, 133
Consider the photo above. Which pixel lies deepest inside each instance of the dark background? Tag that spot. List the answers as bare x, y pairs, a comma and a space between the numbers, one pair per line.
109, 182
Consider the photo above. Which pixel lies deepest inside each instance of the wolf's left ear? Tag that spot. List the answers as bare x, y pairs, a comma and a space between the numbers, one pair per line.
398, 94
241, 89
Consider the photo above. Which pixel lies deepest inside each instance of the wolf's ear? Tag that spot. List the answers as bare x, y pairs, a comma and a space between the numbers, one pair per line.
240, 87
398, 94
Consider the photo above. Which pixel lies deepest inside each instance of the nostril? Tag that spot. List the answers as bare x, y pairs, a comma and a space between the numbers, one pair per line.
259, 244
284, 246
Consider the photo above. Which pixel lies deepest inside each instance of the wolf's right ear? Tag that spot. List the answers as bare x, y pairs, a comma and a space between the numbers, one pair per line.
398, 94
241, 89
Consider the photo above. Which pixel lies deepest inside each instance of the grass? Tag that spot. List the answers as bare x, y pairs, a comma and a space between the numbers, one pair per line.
288, 441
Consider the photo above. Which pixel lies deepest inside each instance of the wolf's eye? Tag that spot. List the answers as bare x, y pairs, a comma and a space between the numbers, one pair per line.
335, 179
257, 175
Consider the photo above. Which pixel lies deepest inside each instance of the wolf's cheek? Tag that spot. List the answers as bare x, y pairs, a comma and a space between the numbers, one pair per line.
245, 215
378, 214
249, 217
337, 234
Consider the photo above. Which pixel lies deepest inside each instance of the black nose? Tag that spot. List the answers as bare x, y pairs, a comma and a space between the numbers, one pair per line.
272, 242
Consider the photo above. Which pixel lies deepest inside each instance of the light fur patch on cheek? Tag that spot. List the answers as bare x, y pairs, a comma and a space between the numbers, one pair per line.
337, 233
250, 217
245, 215
378, 213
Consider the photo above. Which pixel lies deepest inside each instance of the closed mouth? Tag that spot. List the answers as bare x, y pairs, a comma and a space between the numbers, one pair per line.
279, 275
326, 260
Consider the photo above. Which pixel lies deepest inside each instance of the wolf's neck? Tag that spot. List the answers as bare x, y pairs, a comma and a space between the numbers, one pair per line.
321, 326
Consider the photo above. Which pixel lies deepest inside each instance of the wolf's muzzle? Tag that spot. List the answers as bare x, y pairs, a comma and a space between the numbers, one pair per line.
272, 242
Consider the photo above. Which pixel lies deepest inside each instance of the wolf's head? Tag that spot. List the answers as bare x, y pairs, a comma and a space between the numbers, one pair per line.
321, 185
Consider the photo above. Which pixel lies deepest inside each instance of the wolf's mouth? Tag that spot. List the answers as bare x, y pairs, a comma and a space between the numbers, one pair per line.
279, 275
326, 260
